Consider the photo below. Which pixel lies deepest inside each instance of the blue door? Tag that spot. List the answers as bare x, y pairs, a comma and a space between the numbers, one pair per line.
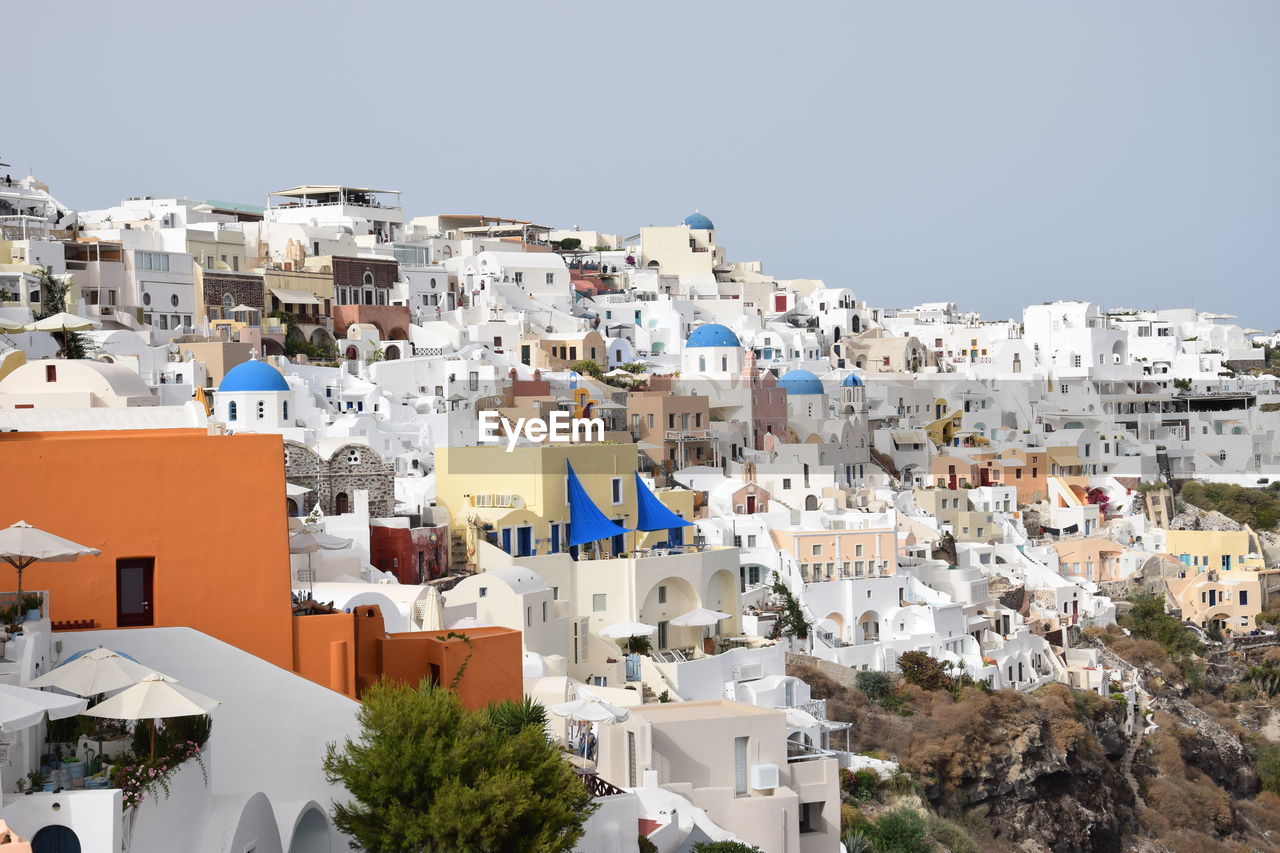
506, 539
675, 537
555, 539
619, 542
55, 839
524, 541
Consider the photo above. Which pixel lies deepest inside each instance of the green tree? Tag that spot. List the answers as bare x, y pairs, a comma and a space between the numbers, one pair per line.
571, 244
428, 776
514, 717
876, 685
924, 671
74, 344
587, 367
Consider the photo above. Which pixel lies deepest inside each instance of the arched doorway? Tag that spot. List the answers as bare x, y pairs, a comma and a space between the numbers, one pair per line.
291, 506
341, 503
55, 839
391, 352
868, 628
311, 835
811, 502
352, 353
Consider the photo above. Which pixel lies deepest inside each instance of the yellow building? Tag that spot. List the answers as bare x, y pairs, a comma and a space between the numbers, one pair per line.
519, 501
1229, 600
1225, 550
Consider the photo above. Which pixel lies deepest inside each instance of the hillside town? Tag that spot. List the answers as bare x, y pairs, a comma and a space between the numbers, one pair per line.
279, 454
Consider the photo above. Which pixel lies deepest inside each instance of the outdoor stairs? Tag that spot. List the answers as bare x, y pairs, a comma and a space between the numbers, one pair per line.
647, 693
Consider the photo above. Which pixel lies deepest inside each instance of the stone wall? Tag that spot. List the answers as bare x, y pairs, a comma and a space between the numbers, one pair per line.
351, 467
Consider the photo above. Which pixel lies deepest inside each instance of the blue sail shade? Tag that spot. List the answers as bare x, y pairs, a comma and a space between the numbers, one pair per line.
652, 513
586, 522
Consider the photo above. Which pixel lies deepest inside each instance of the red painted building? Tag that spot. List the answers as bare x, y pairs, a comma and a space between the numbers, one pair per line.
413, 554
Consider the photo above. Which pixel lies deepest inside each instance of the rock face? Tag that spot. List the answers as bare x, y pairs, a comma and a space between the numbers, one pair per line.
1210, 748
1042, 794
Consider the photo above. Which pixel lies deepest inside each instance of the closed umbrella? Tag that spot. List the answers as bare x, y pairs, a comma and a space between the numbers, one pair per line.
21, 545
22, 707
154, 697
430, 608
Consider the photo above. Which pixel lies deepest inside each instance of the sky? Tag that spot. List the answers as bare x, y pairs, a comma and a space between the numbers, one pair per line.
989, 153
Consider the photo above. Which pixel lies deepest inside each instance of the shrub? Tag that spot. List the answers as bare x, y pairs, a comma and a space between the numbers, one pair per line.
860, 785
949, 835
926, 672
900, 831
587, 367
875, 684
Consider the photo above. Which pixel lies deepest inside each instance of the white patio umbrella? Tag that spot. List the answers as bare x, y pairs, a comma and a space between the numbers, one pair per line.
154, 697
22, 707
589, 710
698, 618
622, 630
21, 545
63, 322
309, 541
12, 326
96, 671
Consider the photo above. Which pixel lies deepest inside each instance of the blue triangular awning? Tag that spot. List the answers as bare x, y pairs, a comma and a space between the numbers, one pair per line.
652, 514
586, 522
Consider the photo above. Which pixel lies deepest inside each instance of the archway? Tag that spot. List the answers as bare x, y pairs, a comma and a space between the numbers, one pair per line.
811, 502
352, 353
311, 834
868, 627
722, 595
270, 346
341, 503
292, 506
391, 352
257, 829
398, 334
837, 622
55, 838
665, 600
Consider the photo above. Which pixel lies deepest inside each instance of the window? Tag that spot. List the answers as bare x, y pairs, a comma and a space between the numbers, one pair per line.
817, 550
551, 278
231, 411
1244, 597
662, 594
484, 592
173, 300
740, 766
599, 602
544, 611
786, 482
528, 616
519, 278
146, 299
368, 279
51, 373
284, 410
616, 490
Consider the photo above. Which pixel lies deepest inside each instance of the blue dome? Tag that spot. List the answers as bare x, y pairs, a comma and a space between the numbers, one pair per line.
698, 222
852, 381
800, 381
253, 375
713, 335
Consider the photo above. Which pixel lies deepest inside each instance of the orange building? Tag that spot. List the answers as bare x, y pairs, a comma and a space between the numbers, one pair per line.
1026, 470
192, 529
194, 533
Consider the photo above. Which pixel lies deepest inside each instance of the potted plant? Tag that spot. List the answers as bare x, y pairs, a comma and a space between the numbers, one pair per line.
31, 603
638, 645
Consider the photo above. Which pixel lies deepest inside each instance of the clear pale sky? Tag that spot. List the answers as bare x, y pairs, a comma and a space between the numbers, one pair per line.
990, 153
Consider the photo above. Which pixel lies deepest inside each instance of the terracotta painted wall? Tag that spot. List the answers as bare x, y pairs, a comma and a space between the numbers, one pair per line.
209, 509
493, 673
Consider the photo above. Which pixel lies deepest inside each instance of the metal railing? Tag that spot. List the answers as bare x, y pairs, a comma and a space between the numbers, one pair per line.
597, 786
